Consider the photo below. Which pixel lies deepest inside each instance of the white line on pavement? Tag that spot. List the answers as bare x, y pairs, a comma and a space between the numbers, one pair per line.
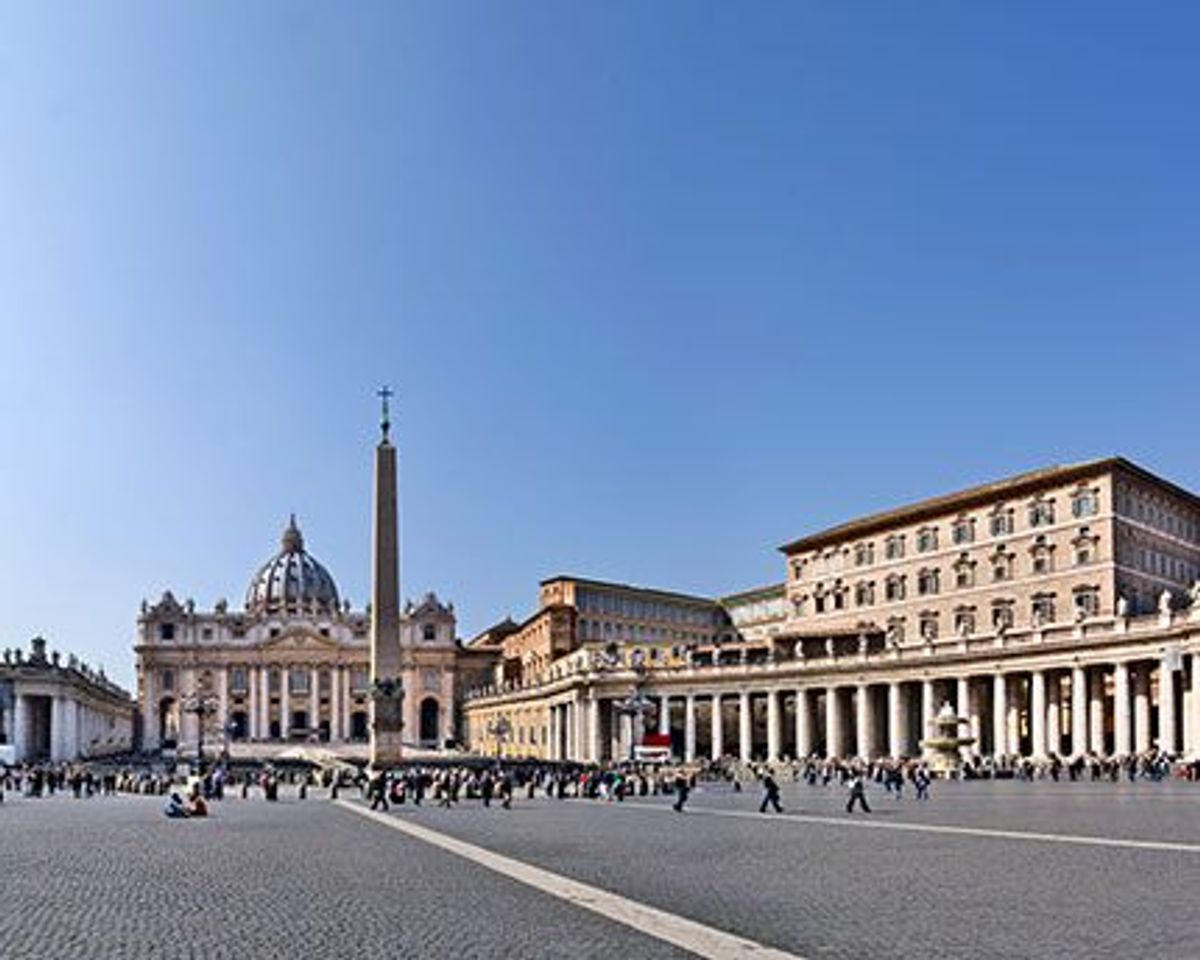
931, 828
695, 937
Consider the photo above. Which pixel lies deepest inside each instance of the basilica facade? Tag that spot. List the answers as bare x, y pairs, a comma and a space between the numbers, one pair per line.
292, 666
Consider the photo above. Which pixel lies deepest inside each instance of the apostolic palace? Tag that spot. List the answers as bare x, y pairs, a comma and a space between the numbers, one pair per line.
1055, 611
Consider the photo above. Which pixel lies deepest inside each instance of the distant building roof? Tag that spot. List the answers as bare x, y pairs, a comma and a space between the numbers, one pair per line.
608, 584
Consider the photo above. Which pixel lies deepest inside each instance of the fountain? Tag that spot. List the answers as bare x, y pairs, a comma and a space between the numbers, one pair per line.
943, 751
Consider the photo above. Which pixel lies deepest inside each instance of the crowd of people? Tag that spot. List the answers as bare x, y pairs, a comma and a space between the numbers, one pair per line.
190, 793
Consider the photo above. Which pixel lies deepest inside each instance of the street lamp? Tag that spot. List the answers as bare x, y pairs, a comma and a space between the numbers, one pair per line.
203, 705
500, 729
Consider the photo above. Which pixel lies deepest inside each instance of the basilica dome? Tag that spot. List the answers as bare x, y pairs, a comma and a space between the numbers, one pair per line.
292, 581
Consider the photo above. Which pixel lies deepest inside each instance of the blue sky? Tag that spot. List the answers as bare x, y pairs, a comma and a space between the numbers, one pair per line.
661, 286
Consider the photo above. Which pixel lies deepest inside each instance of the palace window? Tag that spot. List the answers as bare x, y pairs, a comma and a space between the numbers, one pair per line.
1085, 547
1085, 503
428, 632
1087, 601
964, 572
166, 631
928, 581
206, 633
798, 606
819, 600
1042, 555
1042, 608
273, 681
1000, 523
839, 597
1002, 566
929, 625
963, 530
893, 547
964, 621
1002, 614
864, 593
895, 629
893, 588
864, 554
797, 569
1041, 513
168, 680
927, 539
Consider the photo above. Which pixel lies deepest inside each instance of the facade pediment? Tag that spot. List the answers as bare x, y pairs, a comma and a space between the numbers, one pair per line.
299, 638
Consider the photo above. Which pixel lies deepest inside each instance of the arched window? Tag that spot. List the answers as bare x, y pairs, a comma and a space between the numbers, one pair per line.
430, 714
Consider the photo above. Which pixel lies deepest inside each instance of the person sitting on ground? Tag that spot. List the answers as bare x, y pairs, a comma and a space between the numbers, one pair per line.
175, 808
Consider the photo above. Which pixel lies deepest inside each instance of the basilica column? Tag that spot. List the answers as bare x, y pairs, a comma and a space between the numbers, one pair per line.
864, 722
774, 734
335, 703
1192, 730
1141, 708
962, 708
1079, 743
223, 700
1096, 711
264, 729
1121, 745
689, 728
834, 737
285, 701
1037, 712
999, 715
1054, 713
314, 698
897, 735
664, 715
717, 728
1166, 706
804, 747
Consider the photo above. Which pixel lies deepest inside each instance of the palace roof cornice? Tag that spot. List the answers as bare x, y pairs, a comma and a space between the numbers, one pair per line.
631, 588
1016, 486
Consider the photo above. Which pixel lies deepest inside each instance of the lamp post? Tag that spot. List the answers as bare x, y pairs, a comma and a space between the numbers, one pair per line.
637, 703
500, 729
203, 705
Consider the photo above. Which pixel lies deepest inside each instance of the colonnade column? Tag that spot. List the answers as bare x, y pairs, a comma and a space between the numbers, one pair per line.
593, 730
1121, 709
264, 730
999, 714
897, 745
744, 729
1193, 713
664, 715
803, 725
1096, 711
962, 707
718, 732
689, 728
1037, 712
1166, 706
833, 724
773, 731
864, 722
1054, 714
1079, 711
927, 710
335, 703
223, 701
1141, 708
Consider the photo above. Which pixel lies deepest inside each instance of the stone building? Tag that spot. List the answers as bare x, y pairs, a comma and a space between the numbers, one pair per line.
1055, 610
292, 666
55, 709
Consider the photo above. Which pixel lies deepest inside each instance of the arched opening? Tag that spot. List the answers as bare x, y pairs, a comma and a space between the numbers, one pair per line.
429, 721
239, 725
168, 723
358, 725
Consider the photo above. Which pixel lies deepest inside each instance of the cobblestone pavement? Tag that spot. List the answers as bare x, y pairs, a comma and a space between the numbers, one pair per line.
112, 878
825, 890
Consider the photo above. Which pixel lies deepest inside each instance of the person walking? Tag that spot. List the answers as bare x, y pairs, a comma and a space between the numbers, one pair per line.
858, 792
378, 791
770, 794
682, 790
921, 781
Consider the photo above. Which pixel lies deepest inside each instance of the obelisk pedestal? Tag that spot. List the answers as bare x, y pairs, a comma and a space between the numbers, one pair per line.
387, 691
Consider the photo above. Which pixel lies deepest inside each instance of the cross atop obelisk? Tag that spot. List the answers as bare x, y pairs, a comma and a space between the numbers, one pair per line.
385, 393
387, 691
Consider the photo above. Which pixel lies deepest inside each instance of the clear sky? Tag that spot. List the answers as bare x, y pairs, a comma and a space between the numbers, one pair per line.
661, 286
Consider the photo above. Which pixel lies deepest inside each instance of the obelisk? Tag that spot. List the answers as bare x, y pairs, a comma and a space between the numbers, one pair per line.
387, 692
